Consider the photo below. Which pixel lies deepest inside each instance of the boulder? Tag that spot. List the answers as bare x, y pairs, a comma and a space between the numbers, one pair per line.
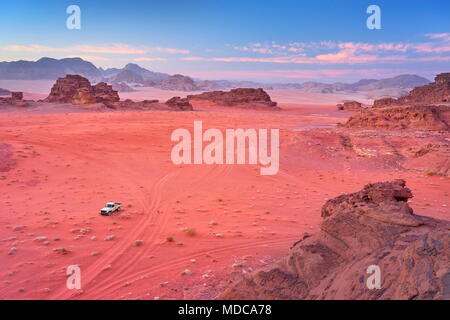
363, 233
179, 103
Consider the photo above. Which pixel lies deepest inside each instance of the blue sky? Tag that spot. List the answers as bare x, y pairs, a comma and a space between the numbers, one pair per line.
284, 40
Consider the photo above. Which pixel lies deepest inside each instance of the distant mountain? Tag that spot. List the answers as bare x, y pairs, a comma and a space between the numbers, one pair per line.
4, 92
134, 71
407, 81
128, 77
134, 75
178, 82
48, 69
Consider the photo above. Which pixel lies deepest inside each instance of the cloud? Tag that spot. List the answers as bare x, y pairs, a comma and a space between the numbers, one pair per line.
327, 52
108, 49
439, 36
171, 50
119, 48
149, 59
89, 58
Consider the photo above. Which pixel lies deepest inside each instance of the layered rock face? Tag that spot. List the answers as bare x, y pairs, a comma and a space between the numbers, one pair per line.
372, 228
76, 89
403, 117
434, 93
237, 97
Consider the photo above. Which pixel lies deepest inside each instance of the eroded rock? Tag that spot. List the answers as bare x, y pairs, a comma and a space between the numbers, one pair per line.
372, 227
245, 97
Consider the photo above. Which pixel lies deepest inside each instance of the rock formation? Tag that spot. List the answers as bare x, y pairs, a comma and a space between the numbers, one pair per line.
16, 100
350, 106
373, 229
104, 93
76, 89
402, 117
245, 97
179, 103
178, 82
437, 92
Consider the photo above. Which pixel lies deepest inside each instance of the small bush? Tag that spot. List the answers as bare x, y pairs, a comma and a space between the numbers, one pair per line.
191, 232
170, 239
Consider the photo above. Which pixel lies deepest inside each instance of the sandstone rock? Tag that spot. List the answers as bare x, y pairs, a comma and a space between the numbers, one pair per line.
16, 100
179, 103
372, 227
17, 96
246, 97
350, 106
83, 96
78, 90
66, 88
403, 117
104, 93
437, 92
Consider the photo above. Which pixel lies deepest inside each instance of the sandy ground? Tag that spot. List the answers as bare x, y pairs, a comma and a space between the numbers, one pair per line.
225, 220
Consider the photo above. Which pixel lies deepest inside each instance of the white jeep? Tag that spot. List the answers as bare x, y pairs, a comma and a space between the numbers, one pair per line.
110, 208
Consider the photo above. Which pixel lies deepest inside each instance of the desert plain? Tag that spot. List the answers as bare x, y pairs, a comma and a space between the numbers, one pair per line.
186, 231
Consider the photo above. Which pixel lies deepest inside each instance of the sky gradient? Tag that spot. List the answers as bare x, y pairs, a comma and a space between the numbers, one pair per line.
268, 41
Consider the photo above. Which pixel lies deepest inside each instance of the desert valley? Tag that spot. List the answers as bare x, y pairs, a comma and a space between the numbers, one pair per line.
222, 231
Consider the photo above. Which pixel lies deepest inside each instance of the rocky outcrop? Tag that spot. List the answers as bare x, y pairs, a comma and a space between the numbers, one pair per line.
178, 82
365, 236
16, 100
350, 106
104, 93
402, 117
76, 89
179, 103
243, 97
437, 92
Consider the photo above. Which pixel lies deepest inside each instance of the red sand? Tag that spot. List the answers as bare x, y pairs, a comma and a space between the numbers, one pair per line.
68, 165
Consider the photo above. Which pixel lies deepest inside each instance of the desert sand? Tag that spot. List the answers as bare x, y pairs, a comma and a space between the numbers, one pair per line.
200, 226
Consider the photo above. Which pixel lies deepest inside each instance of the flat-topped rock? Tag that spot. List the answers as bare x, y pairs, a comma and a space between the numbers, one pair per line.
246, 97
